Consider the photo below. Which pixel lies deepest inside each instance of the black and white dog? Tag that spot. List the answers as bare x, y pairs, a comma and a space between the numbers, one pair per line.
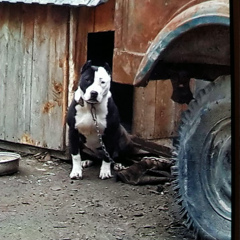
94, 91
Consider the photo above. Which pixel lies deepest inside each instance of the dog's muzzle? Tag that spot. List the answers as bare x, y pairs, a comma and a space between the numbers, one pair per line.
93, 97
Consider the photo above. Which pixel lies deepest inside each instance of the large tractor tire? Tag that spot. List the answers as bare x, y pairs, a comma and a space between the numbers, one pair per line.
203, 162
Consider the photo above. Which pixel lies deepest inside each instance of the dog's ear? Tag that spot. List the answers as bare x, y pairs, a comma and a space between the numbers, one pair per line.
107, 67
86, 65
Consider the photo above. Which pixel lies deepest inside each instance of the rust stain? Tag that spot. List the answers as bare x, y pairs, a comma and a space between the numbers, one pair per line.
27, 28
48, 106
57, 92
26, 139
59, 101
58, 88
61, 62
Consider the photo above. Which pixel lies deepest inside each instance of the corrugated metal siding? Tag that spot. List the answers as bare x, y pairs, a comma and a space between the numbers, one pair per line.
89, 3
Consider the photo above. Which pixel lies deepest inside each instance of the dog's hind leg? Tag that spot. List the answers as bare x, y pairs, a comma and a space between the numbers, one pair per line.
86, 163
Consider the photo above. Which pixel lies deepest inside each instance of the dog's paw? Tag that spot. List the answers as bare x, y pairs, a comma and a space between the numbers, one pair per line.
86, 163
119, 167
76, 173
105, 171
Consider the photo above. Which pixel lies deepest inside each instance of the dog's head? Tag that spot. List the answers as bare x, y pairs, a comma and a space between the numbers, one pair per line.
94, 83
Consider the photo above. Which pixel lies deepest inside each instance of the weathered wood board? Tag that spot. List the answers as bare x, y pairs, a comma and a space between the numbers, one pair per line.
33, 74
155, 115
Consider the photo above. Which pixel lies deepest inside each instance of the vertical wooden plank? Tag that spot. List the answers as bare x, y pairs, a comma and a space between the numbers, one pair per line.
73, 71
49, 69
58, 77
26, 39
13, 79
144, 111
165, 109
156, 116
81, 22
4, 12
40, 79
73, 67
82, 33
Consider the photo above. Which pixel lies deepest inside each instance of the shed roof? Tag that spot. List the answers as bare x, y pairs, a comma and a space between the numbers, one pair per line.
89, 3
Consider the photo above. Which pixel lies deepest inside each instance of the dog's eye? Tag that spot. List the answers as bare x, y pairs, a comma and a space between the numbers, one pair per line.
86, 79
102, 81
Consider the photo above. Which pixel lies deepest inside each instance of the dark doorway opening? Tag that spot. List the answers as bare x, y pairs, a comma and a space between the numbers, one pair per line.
123, 97
100, 50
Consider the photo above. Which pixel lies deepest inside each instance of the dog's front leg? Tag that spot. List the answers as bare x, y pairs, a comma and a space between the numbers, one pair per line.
76, 172
105, 171
74, 142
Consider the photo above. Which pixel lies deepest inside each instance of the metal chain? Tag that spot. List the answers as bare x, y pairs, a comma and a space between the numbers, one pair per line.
94, 117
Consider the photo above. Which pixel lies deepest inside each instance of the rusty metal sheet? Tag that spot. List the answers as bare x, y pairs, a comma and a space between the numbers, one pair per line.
88, 3
125, 65
138, 22
210, 12
136, 25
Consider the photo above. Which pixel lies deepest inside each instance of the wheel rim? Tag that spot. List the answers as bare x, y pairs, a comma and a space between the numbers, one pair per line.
217, 156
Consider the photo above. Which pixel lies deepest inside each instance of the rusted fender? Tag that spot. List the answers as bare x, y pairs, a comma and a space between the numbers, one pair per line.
210, 12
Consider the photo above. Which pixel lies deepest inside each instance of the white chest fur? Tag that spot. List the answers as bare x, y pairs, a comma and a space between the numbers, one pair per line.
85, 123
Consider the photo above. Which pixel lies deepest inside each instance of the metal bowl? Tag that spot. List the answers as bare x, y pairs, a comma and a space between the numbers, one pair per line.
9, 163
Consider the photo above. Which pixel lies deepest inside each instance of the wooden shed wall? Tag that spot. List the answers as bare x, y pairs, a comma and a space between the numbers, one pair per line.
34, 74
156, 116
42, 48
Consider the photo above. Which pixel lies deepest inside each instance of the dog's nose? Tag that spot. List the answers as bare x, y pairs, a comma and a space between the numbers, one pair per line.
94, 94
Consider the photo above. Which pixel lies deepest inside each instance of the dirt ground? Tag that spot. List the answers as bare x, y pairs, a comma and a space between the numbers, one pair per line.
42, 202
